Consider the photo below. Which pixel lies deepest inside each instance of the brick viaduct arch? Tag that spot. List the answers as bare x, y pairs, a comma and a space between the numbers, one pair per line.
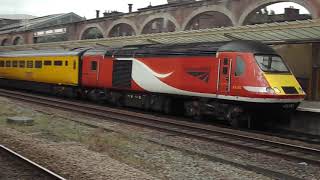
121, 21
91, 26
165, 16
15, 39
211, 8
308, 4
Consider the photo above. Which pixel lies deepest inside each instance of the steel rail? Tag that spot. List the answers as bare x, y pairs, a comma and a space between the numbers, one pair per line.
41, 168
205, 132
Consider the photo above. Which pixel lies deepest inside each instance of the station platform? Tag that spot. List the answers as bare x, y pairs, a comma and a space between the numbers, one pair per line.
306, 119
309, 106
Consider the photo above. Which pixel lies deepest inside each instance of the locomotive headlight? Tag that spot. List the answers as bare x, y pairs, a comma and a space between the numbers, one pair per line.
270, 90
277, 90
254, 89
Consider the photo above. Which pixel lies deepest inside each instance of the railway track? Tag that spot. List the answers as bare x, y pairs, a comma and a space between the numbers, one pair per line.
294, 135
195, 130
15, 166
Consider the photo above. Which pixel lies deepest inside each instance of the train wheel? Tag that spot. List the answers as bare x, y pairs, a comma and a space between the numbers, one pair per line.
239, 119
241, 122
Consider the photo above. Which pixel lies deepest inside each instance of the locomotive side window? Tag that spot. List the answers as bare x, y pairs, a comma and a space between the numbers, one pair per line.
47, 63
225, 70
29, 64
240, 66
1, 63
66, 63
14, 63
58, 63
38, 64
8, 63
74, 65
94, 65
225, 61
22, 64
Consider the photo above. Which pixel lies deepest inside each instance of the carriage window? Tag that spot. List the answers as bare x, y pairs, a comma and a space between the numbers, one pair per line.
47, 63
66, 63
1, 63
240, 66
14, 63
8, 63
29, 64
58, 63
225, 61
94, 65
22, 64
38, 64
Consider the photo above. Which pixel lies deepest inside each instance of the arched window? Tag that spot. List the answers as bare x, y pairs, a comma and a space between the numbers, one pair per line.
158, 25
210, 19
18, 41
277, 12
92, 33
5, 42
122, 29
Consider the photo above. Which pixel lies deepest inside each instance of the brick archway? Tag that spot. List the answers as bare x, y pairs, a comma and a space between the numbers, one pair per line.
309, 5
91, 26
15, 38
211, 8
121, 21
165, 16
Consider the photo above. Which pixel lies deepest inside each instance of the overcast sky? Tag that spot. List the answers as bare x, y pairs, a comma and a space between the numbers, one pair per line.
87, 7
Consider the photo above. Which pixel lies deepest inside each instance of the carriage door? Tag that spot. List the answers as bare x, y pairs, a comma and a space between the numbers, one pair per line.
224, 83
91, 71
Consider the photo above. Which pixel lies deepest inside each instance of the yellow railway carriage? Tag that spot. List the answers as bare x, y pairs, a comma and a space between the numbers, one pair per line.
52, 67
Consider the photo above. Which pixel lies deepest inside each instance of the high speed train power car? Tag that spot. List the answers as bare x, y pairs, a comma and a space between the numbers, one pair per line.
233, 81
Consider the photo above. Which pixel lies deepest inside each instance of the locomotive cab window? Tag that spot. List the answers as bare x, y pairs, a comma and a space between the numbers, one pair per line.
94, 65
271, 63
1, 63
22, 64
240, 68
66, 63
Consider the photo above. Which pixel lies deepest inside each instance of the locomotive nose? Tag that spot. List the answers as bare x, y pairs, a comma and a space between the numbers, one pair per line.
284, 84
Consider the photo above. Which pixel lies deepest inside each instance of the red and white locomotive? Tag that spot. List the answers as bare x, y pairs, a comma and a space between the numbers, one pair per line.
231, 81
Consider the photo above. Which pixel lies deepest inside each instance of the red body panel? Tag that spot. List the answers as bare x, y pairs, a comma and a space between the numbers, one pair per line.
183, 75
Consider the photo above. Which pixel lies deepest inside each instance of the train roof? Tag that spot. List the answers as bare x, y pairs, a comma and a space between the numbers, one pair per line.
255, 47
191, 49
30, 53
203, 48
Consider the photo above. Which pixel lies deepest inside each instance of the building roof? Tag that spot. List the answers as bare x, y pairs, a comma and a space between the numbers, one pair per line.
40, 22
16, 16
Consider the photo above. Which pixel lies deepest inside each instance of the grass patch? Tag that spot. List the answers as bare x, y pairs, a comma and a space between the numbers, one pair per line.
129, 149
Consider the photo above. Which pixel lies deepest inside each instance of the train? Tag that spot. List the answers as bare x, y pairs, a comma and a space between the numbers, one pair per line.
235, 81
